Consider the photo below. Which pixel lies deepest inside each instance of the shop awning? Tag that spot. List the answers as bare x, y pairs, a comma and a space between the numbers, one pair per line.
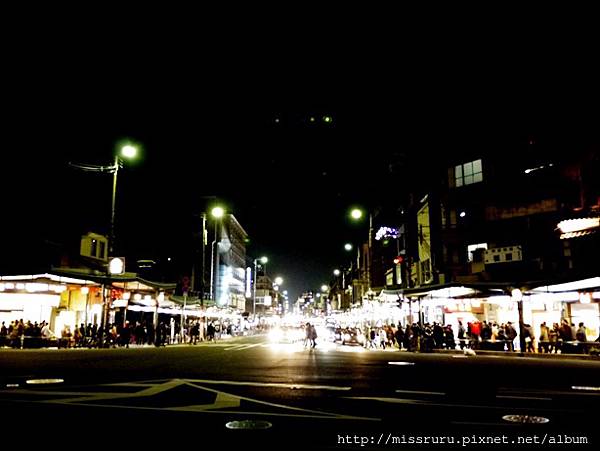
591, 284
115, 279
459, 290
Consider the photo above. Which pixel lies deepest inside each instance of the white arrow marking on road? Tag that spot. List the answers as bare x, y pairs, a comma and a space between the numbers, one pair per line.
223, 401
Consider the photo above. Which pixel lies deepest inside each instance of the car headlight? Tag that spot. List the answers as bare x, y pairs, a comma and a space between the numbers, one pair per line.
346, 337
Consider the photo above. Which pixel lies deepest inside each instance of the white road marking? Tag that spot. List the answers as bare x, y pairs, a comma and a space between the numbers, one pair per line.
270, 384
223, 404
417, 392
532, 398
242, 347
585, 388
450, 405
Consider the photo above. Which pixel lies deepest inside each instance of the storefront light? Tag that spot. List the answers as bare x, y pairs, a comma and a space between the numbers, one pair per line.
577, 225
517, 295
585, 298
127, 295
2, 286
596, 295
85, 290
59, 288
20, 286
137, 297
590, 283
10, 286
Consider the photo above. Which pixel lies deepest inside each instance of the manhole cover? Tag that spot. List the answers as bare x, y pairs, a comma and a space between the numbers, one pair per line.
525, 419
248, 424
44, 381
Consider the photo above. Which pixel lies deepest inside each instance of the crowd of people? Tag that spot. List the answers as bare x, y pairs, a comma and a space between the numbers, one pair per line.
19, 334
484, 335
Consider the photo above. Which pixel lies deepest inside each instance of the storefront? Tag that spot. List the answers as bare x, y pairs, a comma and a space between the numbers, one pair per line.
576, 301
56, 300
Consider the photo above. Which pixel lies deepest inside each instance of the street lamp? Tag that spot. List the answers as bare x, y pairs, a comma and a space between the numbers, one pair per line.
128, 151
348, 247
263, 260
217, 213
357, 214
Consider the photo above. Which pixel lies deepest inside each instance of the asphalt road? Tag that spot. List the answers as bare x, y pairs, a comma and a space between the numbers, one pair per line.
334, 397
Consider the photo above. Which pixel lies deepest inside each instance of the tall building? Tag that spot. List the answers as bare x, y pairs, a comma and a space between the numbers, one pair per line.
231, 256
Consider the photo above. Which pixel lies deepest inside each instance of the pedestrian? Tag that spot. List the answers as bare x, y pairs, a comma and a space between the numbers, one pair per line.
543, 345
581, 334
313, 335
307, 334
511, 334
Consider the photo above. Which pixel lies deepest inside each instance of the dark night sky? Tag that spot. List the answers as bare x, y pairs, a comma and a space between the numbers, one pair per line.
204, 107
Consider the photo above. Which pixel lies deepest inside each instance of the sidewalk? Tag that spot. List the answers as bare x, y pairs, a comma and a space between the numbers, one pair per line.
518, 354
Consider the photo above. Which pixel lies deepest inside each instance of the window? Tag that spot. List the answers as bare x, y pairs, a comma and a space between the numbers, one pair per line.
426, 271
471, 248
468, 173
102, 249
94, 248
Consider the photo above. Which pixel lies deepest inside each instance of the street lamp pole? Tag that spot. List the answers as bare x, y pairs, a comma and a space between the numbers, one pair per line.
127, 150
254, 288
203, 263
217, 213
114, 200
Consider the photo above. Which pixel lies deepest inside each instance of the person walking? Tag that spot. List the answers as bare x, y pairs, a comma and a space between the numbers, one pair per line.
313, 335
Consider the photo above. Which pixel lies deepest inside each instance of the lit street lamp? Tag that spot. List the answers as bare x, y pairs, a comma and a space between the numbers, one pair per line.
128, 151
264, 261
217, 213
357, 214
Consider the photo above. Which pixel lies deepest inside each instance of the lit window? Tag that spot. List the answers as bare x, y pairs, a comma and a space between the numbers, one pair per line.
468, 173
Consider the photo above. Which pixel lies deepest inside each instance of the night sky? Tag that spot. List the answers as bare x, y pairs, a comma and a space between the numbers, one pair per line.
230, 117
